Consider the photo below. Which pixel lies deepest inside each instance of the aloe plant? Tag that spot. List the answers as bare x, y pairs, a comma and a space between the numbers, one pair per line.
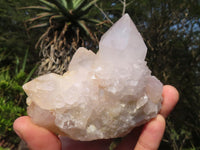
67, 25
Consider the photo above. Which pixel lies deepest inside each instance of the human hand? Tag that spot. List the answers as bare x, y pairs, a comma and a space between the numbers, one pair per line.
147, 137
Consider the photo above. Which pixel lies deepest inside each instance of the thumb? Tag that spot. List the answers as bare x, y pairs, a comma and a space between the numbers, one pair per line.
36, 137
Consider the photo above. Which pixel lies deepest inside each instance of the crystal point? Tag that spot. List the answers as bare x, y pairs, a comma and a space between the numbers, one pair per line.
123, 39
103, 95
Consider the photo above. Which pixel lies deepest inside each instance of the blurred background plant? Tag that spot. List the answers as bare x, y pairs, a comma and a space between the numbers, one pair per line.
12, 104
171, 30
67, 26
16, 68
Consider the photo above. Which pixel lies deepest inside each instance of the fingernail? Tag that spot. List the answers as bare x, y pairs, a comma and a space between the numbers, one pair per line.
160, 118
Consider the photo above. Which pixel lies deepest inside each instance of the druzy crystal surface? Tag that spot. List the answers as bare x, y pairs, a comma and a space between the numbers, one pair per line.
101, 96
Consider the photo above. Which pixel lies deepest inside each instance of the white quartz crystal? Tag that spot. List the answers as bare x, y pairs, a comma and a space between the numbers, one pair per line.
103, 95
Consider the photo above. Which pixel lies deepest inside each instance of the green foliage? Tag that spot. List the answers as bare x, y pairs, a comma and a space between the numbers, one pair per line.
12, 98
9, 112
1, 148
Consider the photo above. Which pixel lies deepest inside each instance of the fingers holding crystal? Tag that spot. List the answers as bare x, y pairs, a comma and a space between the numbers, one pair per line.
151, 134
170, 99
36, 137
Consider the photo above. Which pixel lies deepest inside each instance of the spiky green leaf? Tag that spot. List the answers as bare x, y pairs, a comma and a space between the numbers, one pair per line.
85, 9
39, 26
89, 5
40, 8
57, 18
49, 5
95, 21
78, 3
70, 4
64, 3
62, 9
40, 16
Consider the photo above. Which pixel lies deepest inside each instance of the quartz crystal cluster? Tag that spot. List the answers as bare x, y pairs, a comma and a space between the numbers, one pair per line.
101, 96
